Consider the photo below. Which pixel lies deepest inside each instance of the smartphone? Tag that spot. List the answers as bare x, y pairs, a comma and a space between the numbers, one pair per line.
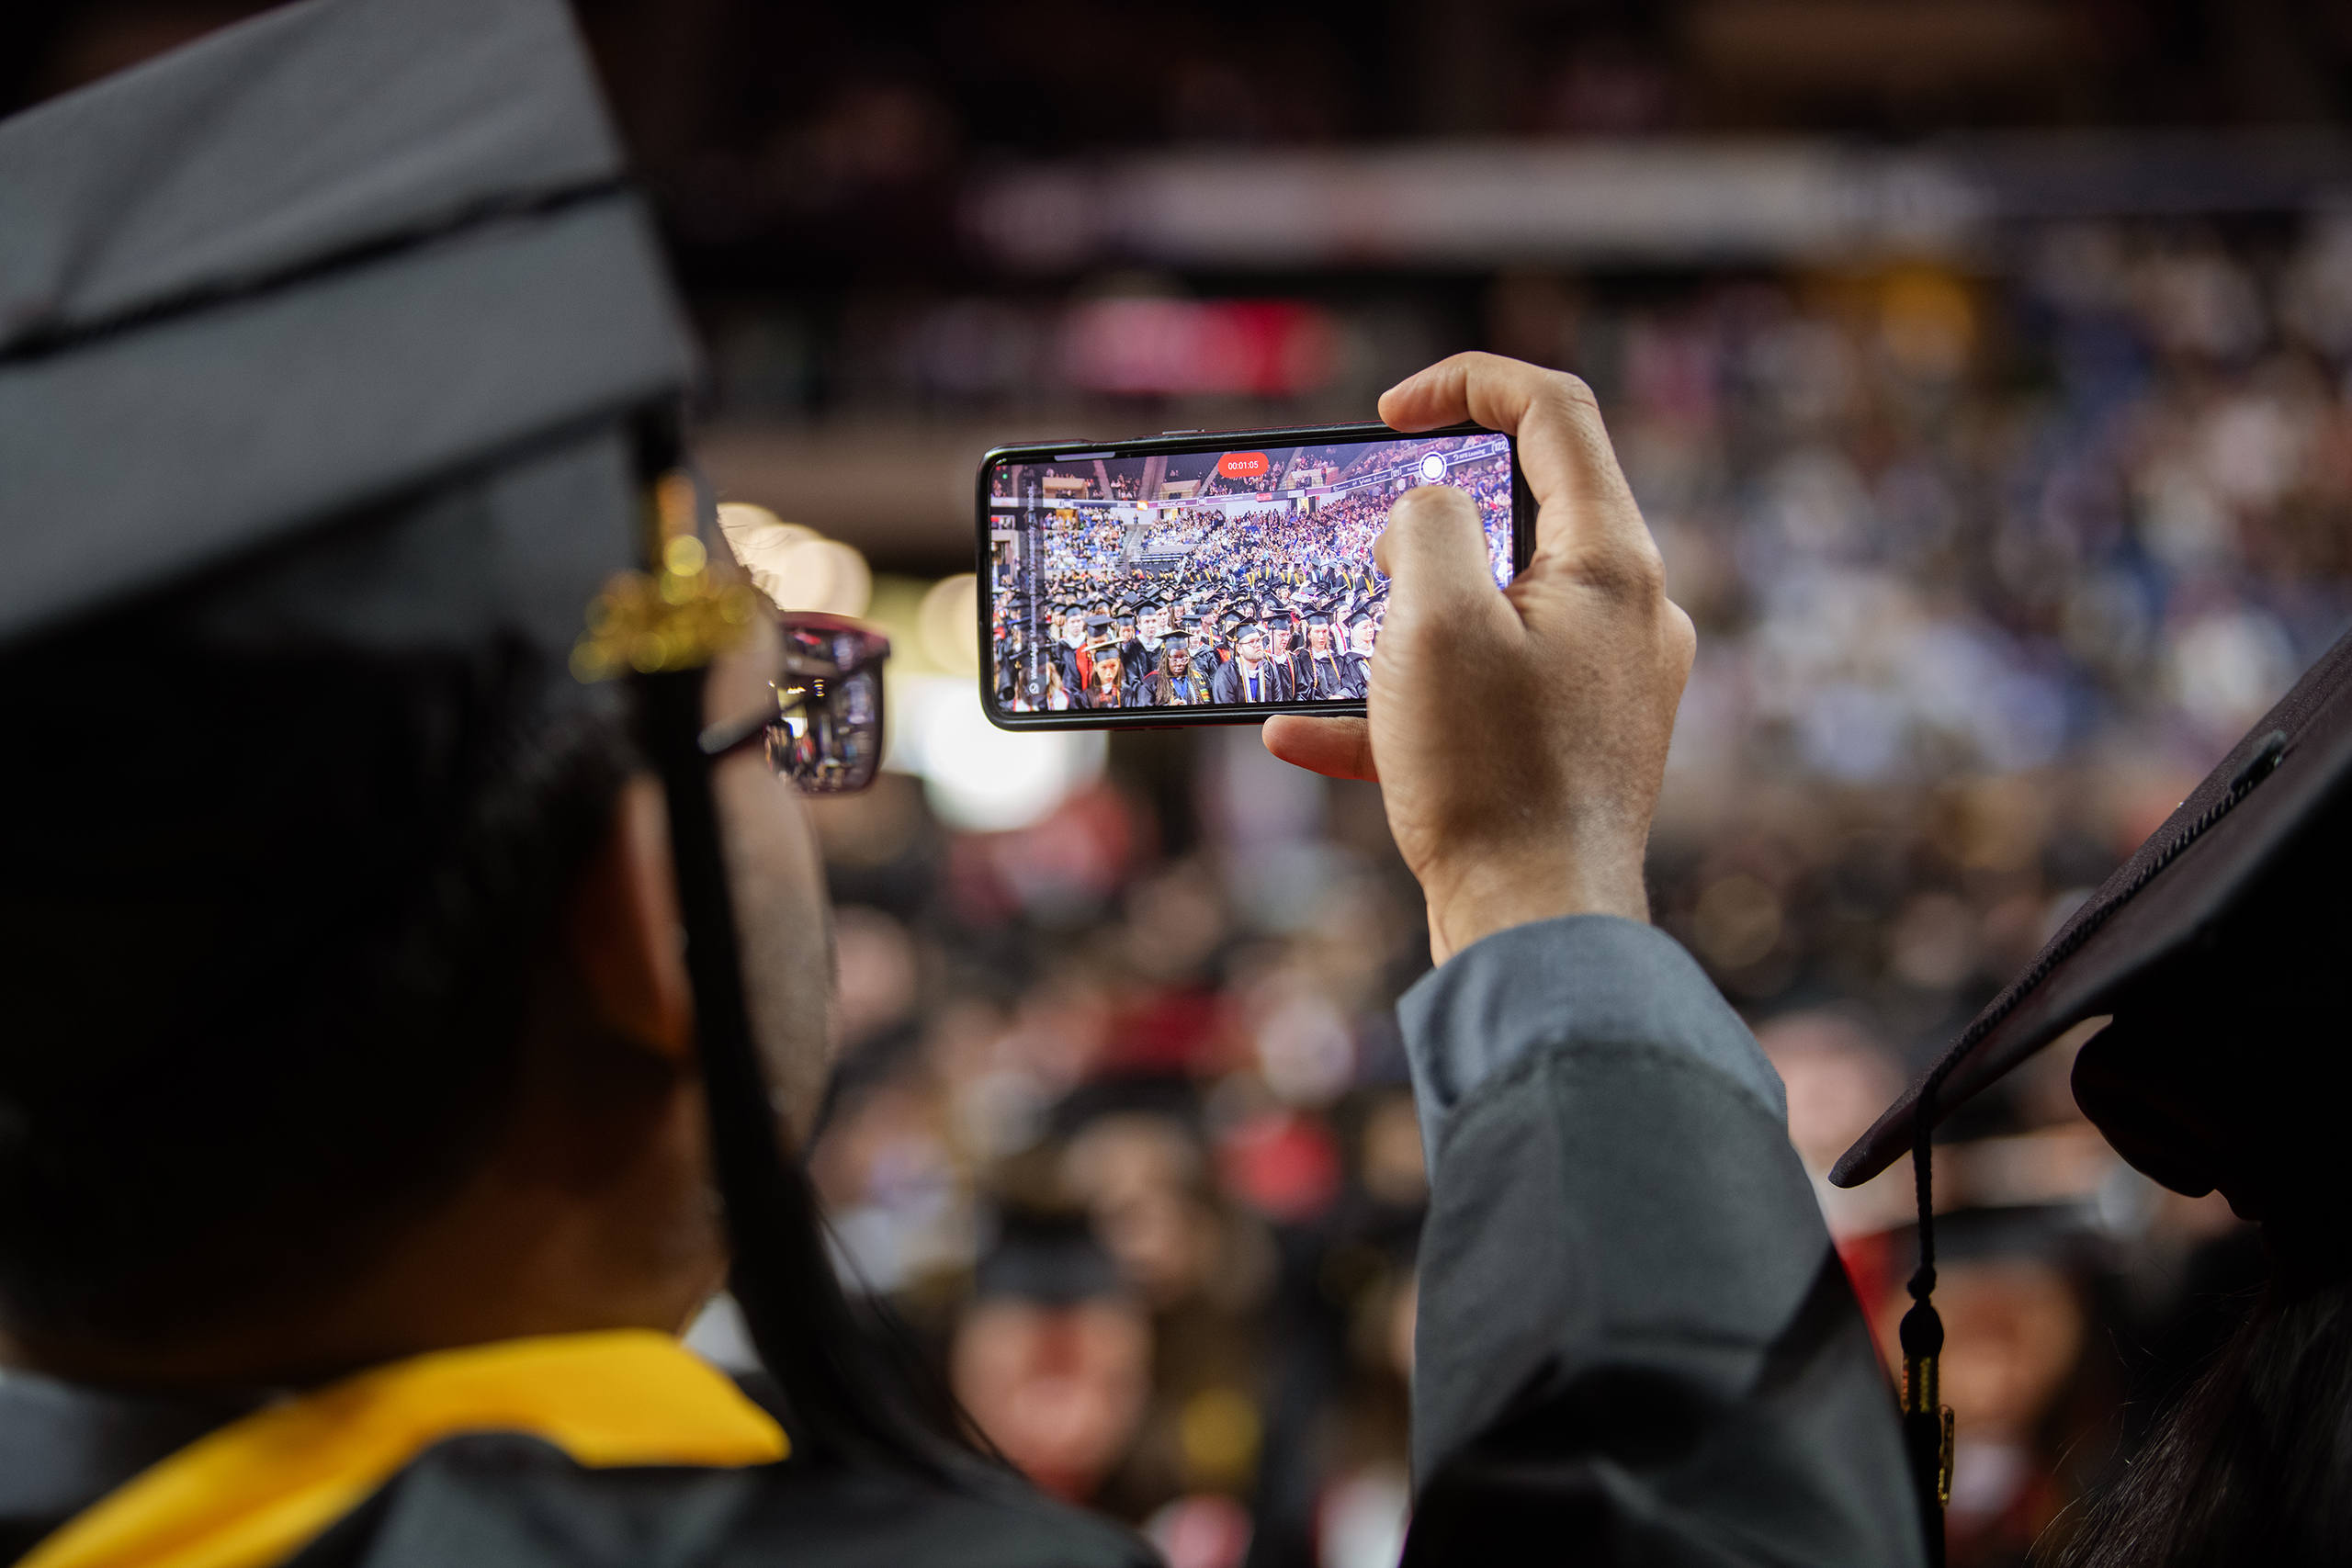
1208, 577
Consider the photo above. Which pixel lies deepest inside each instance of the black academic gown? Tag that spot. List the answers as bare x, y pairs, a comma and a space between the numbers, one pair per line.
1162, 689
1230, 685
1329, 679
503, 1501
1065, 660
1300, 672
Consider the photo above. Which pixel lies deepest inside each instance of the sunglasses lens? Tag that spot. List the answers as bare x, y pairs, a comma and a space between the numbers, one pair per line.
827, 738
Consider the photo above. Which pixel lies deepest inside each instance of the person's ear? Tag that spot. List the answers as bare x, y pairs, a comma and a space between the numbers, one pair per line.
622, 929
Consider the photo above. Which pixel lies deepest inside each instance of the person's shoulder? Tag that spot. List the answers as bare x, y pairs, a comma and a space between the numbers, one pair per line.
522, 1504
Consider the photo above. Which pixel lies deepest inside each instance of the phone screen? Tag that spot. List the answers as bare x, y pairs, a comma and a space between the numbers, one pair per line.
1238, 578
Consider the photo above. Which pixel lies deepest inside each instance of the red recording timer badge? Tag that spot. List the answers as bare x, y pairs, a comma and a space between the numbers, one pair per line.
1244, 466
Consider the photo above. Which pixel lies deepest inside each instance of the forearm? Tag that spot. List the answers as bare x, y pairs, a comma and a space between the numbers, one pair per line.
1632, 1321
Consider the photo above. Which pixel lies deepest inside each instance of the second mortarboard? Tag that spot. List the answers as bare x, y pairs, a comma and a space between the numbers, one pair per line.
2201, 978
2212, 951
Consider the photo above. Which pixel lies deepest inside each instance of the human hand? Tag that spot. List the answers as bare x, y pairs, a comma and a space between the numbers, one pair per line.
1519, 737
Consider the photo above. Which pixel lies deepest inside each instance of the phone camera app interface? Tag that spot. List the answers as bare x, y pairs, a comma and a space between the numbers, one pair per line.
1193, 580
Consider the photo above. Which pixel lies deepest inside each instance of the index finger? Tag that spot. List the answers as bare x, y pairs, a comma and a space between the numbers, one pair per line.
1581, 497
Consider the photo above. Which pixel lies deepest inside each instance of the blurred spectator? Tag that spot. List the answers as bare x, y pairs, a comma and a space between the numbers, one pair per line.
2014, 1287
1052, 1358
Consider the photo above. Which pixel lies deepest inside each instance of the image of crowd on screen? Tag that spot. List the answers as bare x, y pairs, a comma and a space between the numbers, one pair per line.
1194, 600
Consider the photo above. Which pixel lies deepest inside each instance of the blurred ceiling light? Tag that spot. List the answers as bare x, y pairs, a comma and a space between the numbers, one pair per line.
795, 565
980, 778
1265, 347
948, 623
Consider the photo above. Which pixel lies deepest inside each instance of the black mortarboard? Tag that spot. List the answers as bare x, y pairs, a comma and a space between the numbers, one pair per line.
1176, 639
1050, 1259
1319, 618
2213, 951
2207, 931
318, 261
1169, 1096
1097, 625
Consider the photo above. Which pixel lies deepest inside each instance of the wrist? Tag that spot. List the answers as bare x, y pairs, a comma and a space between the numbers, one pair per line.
1477, 900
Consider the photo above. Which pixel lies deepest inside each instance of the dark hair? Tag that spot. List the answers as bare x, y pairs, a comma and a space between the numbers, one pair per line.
271, 922
2254, 1466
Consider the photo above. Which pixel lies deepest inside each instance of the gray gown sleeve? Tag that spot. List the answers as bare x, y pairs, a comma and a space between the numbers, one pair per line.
1635, 1341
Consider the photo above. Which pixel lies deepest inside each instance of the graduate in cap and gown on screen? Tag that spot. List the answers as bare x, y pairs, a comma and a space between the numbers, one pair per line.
1328, 677
1151, 625
1178, 682
1105, 672
1282, 648
1357, 661
1038, 687
1229, 623
1069, 648
1251, 675
1011, 647
1272, 620
1135, 659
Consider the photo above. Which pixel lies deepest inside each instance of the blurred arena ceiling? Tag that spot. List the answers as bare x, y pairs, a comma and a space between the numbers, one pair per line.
814, 160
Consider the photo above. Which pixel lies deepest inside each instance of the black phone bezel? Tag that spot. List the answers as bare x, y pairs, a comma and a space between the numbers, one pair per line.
1522, 544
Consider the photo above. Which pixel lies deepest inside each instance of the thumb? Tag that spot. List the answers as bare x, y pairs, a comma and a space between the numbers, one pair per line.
1434, 551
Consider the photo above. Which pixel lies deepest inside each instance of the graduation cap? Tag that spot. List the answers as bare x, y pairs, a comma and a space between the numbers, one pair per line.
2211, 953
336, 339
1052, 1258
228, 312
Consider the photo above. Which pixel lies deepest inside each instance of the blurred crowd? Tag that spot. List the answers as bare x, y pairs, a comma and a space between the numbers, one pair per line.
1988, 568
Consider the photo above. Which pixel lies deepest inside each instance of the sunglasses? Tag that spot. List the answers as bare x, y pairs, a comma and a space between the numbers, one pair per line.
824, 733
